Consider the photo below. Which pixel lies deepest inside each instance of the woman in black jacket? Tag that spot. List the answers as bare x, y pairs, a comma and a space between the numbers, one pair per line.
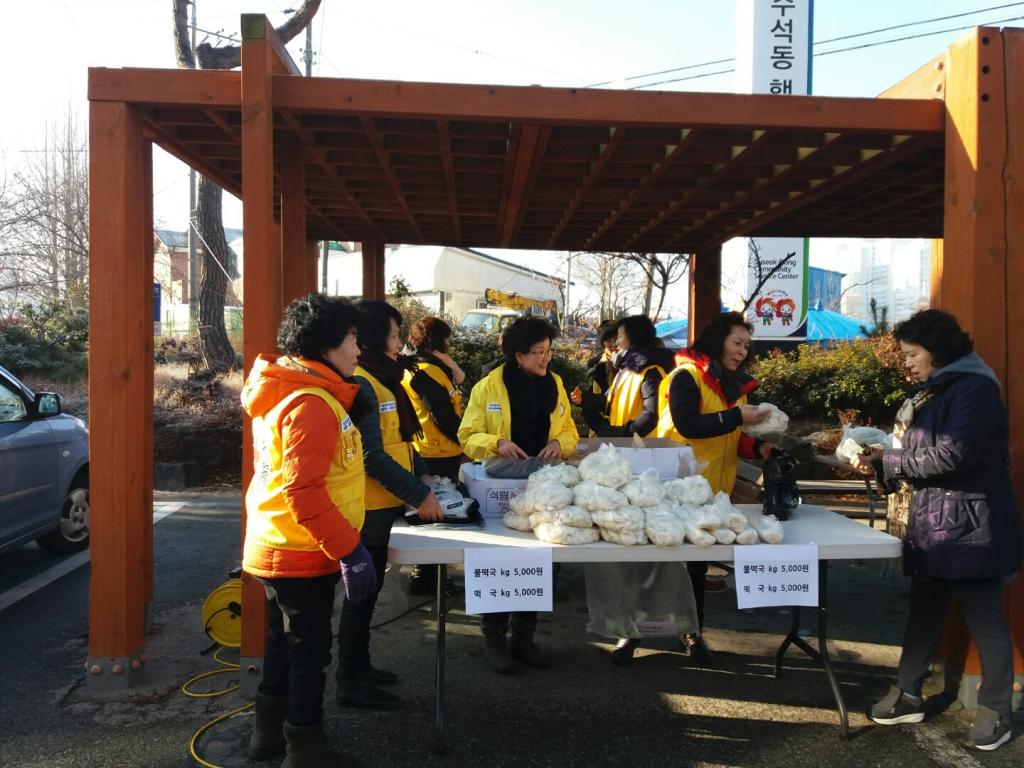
963, 532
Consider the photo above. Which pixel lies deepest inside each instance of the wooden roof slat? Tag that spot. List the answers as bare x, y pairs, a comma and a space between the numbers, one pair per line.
389, 172
526, 158
613, 140
444, 139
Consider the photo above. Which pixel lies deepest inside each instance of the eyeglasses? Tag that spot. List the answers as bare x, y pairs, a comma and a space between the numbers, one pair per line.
542, 352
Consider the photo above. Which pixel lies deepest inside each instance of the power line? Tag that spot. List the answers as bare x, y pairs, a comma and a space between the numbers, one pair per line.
838, 50
816, 43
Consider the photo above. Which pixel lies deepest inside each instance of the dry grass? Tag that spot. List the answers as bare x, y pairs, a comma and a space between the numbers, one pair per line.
74, 395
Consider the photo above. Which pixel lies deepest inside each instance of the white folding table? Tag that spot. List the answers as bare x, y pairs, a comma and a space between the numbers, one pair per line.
837, 538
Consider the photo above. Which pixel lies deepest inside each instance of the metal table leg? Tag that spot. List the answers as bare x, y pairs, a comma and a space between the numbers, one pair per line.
820, 655
441, 615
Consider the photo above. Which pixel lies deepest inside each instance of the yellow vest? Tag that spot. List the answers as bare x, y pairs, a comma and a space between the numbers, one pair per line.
488, 418
626, 402
434, 444
273, 525
719, 454
377, 496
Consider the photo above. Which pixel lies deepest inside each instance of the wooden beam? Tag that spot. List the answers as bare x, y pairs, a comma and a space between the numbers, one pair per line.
373, 269
168, 140
444, 138
261, 287
705, 290
615, 136
120, 389
294, 250
576, 106
204, 88
373, 136
256, 26
686, 140
926, 82
310, 284
526, 156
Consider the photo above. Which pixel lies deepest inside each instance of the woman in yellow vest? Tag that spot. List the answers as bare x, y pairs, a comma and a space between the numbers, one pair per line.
630, 405
395, 477
704, 404
518, 410
432, 385
304, 512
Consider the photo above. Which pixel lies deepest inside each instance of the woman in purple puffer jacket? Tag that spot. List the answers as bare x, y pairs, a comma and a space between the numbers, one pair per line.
963, 532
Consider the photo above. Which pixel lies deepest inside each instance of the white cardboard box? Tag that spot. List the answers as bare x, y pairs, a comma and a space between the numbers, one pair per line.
491, 493
672, 459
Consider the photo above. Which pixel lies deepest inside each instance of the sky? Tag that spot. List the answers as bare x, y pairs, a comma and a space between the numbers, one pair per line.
522, 42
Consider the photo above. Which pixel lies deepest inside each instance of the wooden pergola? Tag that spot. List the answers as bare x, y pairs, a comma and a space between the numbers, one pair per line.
940, 155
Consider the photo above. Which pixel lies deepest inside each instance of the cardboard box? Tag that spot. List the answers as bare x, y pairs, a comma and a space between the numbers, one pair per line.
491, 493
670, 458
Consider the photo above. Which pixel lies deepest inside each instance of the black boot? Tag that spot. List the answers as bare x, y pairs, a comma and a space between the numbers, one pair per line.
498, 657
267, 738
695, 647
623, 653
522, 648
356, 689
382, 676
307, 748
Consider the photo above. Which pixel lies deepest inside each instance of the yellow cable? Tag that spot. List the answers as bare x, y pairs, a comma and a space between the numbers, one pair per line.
228, 666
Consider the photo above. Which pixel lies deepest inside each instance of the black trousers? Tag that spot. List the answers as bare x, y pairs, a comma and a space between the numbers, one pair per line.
354, 624
445, 467
981, 601
523, 622
298, 647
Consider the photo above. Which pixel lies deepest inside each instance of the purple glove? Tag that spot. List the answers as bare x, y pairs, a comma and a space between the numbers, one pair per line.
358, 574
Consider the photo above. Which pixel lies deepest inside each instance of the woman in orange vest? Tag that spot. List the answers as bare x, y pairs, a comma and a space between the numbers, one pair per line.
704, 404
630, 405
304, 511
395, 477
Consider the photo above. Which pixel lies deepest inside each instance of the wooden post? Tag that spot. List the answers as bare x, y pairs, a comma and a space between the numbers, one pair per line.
373, 269
705, 290
294, 248
120, 393
978, 267
261, 282
311, 283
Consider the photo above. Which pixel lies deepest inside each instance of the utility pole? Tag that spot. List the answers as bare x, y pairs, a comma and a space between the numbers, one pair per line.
308, 53
568, 284
325, 246
193, 262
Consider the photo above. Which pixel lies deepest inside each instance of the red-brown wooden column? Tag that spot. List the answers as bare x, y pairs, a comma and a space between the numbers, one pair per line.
120, 393
294, 248
705, 290
261, 282
312, 256
978, 273
373, 269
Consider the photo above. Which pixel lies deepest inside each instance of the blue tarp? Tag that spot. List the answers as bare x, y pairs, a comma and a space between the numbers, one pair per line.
822, 325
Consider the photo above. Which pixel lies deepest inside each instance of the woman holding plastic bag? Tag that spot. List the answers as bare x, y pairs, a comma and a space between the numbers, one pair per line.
704, 404
518, 410
963, 532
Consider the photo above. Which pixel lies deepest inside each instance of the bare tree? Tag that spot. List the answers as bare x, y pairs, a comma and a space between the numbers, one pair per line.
617, 284
660, 270
218, 354
44, 224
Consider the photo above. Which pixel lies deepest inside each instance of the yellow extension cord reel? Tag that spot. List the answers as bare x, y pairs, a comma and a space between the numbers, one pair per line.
222, 621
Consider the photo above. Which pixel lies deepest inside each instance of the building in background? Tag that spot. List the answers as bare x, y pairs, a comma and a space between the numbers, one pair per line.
170, 272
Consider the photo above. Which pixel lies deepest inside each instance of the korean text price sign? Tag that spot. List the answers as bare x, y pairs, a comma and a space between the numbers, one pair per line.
500, 579
776, 574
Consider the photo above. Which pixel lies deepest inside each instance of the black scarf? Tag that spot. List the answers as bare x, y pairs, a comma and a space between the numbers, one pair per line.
389, 373
531, 399
429, 357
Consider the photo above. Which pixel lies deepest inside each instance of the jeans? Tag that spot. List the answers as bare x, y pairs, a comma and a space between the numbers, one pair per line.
298, 647
981, 601
354, 624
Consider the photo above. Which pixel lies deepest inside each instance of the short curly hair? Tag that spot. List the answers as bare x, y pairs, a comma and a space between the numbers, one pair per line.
938, 332
522, 333
430, 334
711, 339
314, 324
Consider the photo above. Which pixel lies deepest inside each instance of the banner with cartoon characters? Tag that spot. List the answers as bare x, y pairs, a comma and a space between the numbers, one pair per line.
779, 309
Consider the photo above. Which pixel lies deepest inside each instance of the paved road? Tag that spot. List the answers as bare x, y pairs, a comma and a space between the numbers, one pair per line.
660, 711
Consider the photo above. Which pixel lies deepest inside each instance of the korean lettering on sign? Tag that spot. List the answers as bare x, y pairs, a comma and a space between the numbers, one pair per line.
782, 51
502, 579
780, 574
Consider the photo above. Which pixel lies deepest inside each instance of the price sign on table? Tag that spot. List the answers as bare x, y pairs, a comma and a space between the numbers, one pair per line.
500, 579
776, 574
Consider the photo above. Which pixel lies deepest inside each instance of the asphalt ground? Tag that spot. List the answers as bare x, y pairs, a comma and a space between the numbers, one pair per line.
661, 710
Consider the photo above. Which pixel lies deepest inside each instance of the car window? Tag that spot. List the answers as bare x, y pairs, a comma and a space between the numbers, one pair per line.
12, 407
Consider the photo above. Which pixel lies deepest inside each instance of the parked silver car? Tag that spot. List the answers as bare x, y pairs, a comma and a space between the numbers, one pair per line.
44, 470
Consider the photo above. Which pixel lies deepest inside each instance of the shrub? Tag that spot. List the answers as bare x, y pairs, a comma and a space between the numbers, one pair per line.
50, 340
814, 382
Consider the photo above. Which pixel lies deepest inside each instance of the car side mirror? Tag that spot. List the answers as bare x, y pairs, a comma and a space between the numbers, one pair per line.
47, 404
